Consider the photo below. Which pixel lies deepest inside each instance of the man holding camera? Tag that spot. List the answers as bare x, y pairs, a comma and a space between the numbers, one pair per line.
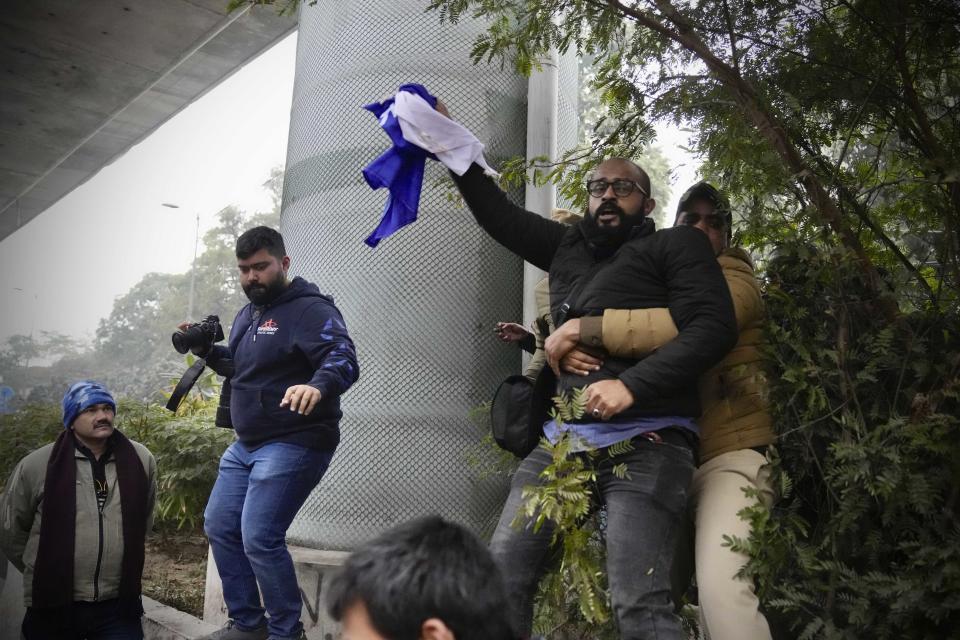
289, 360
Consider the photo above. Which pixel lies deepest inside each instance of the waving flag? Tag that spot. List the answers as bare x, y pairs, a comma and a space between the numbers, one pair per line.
399, 169
417, 132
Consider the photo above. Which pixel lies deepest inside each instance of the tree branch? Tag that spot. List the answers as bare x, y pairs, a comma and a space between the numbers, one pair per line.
864, 216
733, 40
769, 128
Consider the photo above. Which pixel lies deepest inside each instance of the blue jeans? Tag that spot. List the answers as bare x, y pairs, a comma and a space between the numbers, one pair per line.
255, 498
643, 513
83, 621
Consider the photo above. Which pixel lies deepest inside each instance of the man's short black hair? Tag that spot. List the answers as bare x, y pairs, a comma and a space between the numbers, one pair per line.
252, 240
422, 569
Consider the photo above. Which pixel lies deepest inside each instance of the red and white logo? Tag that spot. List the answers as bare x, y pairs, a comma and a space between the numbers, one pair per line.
268, 328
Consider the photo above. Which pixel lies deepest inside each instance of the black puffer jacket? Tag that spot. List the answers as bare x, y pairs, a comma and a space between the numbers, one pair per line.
673, 268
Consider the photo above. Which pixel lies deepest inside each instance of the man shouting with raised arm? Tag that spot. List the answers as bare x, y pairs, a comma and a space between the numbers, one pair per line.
615, 258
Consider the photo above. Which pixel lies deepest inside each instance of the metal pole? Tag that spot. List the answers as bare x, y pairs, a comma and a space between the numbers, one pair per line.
193, 269
542, 105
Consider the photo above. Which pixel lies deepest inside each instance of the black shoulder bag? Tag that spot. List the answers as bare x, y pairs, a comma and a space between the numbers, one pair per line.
520, 407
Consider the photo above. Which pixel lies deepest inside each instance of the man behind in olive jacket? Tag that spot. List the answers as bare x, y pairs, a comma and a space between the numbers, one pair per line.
73, 519
615, 259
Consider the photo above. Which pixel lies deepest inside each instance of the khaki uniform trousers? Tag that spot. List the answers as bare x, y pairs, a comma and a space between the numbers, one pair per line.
729, 608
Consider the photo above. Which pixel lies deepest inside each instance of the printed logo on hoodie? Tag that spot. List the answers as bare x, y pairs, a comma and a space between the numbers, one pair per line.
268, 328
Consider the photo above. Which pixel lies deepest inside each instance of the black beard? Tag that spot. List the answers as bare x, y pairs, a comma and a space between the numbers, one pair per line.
607, 236
262, 294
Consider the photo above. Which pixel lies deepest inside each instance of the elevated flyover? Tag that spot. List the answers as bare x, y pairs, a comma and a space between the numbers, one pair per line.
83, 82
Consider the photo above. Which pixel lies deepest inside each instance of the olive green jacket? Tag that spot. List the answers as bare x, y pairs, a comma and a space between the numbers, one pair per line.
538, 360
96, 568
732, 394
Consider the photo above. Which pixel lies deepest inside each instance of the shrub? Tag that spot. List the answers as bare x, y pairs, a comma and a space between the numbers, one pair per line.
187, 447
27, 429
866, 540
188, 450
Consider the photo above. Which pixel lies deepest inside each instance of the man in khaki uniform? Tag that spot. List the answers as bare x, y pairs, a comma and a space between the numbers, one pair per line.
73, 520
735, 428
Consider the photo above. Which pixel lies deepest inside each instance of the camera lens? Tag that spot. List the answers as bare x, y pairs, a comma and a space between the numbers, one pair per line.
179, 343
198, 336
192, 336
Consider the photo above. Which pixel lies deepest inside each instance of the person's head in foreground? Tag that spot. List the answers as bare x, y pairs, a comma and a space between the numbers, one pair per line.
425, 579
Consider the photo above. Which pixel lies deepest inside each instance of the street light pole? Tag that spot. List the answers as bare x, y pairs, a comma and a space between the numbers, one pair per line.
193, 265
193, 268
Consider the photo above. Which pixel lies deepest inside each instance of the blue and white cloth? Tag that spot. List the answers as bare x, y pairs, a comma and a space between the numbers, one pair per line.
418, 131
81, 395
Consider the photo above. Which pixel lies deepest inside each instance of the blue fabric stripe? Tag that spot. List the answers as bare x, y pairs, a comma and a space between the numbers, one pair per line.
597, 435
399, 169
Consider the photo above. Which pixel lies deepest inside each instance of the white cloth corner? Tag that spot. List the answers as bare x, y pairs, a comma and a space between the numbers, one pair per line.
453, 144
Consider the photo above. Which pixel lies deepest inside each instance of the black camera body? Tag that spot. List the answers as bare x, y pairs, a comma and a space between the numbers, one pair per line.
199, 336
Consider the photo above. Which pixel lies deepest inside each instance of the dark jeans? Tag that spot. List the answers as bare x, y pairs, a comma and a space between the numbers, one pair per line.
252, 504
643, 511
83, 621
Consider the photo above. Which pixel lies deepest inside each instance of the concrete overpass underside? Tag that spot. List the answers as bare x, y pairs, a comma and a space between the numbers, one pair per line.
81, 82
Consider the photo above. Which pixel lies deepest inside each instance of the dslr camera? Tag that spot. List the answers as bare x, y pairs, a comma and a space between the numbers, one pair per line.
199, 336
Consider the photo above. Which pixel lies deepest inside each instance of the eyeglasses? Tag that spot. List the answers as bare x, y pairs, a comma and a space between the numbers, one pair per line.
621, 188
713, 220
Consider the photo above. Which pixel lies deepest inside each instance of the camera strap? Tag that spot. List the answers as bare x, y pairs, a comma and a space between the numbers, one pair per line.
187, 380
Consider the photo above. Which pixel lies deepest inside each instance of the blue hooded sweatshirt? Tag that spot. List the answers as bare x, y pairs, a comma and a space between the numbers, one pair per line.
299, 338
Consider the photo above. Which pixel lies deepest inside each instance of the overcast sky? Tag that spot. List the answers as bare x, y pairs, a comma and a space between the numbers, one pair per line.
63, 270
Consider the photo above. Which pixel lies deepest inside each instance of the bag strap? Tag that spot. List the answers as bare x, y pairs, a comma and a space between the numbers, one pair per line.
574, 297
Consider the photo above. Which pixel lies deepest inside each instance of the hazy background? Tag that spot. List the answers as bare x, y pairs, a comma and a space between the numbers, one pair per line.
62, 271
94, 286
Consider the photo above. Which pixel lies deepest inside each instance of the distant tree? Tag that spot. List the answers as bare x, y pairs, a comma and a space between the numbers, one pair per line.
27, 365
53, 344
132, 351
22, 349
134, 344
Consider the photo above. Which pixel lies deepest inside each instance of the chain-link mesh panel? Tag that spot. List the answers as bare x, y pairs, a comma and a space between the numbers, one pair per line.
420, 307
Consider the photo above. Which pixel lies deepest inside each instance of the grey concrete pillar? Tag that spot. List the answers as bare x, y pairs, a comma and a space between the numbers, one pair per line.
421, 307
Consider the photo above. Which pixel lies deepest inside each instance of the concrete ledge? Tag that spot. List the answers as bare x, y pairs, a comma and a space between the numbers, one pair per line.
161, 622
313, 567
